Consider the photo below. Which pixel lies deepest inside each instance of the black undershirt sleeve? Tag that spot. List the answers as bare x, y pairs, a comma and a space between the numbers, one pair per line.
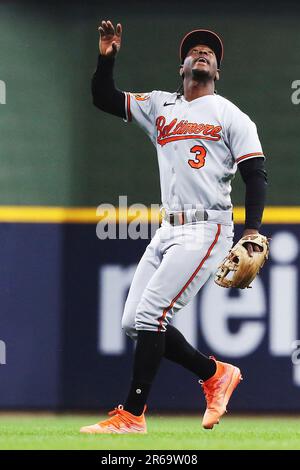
105, 95
254, 175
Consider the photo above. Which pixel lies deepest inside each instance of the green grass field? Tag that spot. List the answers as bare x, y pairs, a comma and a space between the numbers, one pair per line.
61, 432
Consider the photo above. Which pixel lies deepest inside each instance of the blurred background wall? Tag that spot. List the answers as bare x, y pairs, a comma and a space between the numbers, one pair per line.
57, 150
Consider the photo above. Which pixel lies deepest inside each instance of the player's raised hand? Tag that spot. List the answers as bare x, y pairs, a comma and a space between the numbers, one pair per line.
110, 38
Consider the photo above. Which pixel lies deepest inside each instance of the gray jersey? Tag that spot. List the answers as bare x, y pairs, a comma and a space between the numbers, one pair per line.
198, 143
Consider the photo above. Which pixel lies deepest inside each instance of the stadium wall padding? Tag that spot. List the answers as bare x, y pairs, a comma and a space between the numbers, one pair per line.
62, 294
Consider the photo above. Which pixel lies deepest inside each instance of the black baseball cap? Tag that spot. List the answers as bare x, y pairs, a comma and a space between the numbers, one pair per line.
201, 36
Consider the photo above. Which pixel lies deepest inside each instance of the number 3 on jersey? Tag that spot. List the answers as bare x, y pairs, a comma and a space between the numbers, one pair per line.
199, 159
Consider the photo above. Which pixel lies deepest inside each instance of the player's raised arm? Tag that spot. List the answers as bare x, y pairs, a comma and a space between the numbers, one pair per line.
105, 95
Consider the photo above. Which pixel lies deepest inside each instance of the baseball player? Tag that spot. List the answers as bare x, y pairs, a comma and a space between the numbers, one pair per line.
200, 138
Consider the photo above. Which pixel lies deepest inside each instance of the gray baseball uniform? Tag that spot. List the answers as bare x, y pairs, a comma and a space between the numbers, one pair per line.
199, 145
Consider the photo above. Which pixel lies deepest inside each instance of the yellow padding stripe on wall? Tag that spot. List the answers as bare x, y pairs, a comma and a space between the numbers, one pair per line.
88, 215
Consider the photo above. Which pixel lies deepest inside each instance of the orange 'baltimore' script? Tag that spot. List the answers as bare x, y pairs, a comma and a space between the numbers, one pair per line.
185, 130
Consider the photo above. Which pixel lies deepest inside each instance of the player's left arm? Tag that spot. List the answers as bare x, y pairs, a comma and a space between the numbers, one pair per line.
254, 175
247, 152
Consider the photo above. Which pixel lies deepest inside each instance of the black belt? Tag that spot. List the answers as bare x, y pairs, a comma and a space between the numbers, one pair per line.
181, 218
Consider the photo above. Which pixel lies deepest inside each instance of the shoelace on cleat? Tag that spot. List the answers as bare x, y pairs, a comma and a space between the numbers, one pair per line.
118, 416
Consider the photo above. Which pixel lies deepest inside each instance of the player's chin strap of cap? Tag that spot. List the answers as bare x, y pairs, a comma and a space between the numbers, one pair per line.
196, 215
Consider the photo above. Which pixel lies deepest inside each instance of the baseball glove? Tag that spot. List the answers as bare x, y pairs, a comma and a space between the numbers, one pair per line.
239, 269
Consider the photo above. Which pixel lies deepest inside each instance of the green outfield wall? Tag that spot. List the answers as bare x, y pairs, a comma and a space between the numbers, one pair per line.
57, 149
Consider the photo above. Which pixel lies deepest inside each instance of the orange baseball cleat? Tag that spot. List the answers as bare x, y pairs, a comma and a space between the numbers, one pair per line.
121, 422
218, 390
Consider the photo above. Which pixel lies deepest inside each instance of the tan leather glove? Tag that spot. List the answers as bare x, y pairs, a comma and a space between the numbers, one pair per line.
239, 269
